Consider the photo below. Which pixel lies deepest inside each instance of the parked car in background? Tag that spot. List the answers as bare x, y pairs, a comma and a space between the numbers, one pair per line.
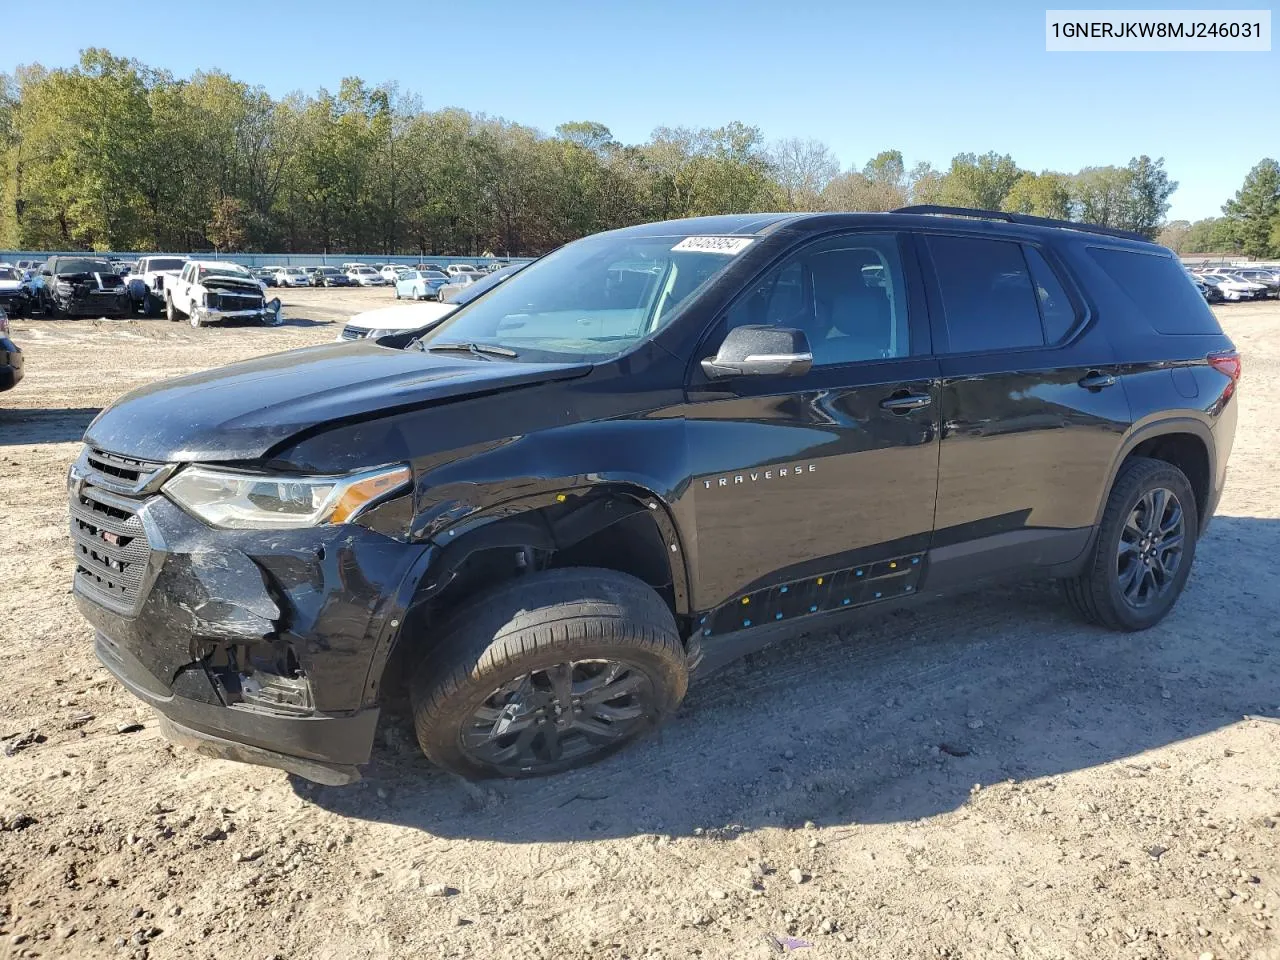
419, 284
1233, 288
390, 272
311, 275
458, 269
79, 286
10, 354
401, 317
13, 290
331, 277
211, 290
292, 277
366, 277
457, 282
266, 275
29, 268
430, 266
147, 281
1268, 278
1207, 290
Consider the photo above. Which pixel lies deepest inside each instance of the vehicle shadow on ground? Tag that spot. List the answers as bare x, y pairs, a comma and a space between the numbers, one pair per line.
286, 322
891, 720
19, 427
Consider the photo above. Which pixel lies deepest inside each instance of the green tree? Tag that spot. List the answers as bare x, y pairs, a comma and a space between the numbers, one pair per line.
1149, 189
1255, 210
227, 227
1174, 235
1040, 194
979, 182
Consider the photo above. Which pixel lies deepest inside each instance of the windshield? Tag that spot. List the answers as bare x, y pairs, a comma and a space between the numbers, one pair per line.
81, 266
592, 299
166, 263
225, 270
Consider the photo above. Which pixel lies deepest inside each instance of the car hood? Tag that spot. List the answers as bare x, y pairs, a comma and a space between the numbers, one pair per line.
242, 411
10, 284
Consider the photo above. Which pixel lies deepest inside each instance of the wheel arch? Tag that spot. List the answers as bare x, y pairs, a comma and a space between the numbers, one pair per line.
1185, 442
617, 526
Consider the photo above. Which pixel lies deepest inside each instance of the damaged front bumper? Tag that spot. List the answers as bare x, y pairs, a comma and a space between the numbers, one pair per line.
95, 304
264, 646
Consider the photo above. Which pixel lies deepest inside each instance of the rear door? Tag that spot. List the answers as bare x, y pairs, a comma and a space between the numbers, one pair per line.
1032, 409
817, 492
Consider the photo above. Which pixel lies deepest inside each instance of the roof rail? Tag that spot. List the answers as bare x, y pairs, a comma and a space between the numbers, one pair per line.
1021, 218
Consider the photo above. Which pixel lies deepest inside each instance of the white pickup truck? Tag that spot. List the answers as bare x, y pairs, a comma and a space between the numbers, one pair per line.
147, 280
209, 290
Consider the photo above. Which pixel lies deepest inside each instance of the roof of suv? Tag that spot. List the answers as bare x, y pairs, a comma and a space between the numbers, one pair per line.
925, 215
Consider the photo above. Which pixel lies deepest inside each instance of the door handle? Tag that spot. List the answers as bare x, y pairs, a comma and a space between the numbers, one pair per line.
903, 402
1096, 380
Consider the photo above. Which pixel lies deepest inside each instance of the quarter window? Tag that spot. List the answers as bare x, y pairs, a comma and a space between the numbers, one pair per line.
987, 294
1055, 306
847, 294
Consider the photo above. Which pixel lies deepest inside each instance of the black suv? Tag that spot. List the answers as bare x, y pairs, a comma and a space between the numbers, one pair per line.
646, 454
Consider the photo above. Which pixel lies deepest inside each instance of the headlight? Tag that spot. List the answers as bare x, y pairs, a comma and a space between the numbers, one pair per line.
243, 501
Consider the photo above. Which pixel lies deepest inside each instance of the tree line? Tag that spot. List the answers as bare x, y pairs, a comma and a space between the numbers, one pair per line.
1249, 225
111, 154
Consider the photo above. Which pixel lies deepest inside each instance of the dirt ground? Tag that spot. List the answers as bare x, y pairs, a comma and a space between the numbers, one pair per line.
987, 778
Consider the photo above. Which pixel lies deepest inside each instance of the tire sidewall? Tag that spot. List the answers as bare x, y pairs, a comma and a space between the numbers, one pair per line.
1134, 618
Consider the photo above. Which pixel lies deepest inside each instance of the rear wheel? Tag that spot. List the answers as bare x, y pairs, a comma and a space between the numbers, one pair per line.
548, 672
1144, 548
170, 311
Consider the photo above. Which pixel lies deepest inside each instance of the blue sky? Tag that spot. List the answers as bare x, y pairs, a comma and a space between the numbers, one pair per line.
932, 79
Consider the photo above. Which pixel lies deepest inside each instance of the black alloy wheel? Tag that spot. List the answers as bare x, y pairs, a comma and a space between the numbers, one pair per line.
563, 714
1150, 547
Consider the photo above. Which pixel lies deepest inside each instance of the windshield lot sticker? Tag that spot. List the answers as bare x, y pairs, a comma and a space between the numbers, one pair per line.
729, 246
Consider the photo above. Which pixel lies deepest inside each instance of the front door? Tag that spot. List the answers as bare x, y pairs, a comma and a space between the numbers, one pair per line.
817, 492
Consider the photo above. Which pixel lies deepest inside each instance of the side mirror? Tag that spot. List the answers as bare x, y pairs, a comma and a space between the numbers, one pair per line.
46, 273
760, 351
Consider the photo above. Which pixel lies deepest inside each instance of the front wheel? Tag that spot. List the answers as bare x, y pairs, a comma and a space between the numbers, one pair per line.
1144, 548
548, 672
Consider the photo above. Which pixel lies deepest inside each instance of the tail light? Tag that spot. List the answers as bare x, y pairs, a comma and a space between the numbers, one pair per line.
1227, 362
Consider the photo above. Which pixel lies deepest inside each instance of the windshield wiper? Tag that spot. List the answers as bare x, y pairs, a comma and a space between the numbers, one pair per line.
480, 349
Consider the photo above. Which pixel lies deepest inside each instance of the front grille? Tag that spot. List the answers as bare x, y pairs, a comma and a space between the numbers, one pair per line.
231, 301
111, 547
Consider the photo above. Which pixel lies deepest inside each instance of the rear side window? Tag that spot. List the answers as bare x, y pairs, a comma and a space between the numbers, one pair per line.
1159, 288
1056, 308
987, 294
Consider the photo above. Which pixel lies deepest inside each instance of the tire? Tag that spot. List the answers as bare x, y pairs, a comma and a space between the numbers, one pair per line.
1098, 594
397, 291
170, 311
576, 617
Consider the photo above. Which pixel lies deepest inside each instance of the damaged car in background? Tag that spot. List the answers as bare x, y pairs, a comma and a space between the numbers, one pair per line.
205, 291
79, 286
147, 278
